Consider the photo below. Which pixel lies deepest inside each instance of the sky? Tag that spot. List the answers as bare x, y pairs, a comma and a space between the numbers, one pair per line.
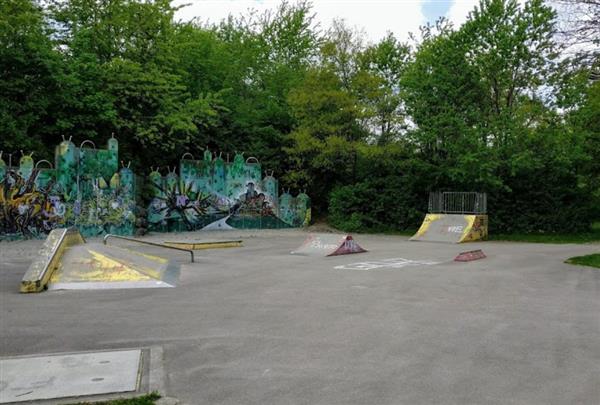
374, 17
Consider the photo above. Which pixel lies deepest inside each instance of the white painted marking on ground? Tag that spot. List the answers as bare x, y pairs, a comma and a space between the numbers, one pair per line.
394, 263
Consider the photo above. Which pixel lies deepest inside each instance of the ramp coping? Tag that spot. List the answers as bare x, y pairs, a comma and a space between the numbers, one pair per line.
39, 272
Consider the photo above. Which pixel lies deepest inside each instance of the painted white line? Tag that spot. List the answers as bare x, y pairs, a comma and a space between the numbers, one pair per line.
394, 263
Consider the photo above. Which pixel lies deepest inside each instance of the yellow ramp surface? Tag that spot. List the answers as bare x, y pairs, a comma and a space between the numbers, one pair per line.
97, 266
66, 261
452, 228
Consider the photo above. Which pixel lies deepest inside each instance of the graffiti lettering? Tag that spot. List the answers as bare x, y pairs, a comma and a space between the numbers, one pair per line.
455, 229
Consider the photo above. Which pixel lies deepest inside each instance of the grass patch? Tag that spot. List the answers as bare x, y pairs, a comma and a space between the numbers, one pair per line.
587, 237
593, 235
592, 260
149, 399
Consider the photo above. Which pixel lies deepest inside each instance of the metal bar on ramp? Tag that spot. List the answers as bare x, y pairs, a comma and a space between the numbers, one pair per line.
110, 235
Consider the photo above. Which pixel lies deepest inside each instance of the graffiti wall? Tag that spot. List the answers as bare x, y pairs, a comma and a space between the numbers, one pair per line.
213, 193
84, 188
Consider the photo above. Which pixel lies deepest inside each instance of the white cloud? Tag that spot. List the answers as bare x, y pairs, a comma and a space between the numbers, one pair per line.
216, 10
459, 11
376, 17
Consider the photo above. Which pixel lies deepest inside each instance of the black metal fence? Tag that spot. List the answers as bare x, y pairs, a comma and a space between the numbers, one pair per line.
452, 202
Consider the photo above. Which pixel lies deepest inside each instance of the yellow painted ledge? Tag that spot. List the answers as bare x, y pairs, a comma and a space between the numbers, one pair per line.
206, 245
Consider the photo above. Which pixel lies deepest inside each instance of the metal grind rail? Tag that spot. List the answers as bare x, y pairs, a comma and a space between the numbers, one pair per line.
110, 235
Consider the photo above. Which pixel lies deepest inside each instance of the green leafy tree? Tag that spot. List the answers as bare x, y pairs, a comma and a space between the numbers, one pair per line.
447, 102
30, 71
322, 150
378, 84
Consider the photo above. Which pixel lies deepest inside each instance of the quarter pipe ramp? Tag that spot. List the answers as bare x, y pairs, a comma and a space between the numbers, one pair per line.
452, 228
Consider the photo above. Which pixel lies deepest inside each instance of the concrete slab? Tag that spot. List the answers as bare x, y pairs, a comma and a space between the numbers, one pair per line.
68, 375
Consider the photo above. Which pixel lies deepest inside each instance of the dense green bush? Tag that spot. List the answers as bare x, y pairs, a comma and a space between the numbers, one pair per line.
378, 204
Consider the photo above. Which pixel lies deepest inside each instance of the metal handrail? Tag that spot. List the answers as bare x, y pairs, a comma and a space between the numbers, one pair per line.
110, 235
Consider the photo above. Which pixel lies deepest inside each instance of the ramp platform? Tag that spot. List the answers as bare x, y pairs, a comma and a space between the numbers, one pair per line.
96, 266
328, 245
452, 228
66, 261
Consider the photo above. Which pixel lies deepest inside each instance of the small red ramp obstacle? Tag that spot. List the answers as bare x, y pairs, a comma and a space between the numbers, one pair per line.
470, 256
328, 245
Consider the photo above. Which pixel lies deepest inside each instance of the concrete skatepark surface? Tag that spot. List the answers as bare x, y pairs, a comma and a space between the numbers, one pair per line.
256, 325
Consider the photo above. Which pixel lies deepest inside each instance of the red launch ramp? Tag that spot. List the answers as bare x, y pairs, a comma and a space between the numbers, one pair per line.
328, 245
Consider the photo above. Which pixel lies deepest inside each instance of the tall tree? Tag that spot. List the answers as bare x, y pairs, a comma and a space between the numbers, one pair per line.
29, 77
512, 47
124, 70
378, 84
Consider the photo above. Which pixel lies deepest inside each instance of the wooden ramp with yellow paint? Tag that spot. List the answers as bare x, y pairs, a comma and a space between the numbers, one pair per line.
66, 261
452, 228
97, 266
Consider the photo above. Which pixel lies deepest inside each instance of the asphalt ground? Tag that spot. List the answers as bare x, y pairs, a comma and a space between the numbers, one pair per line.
256, 325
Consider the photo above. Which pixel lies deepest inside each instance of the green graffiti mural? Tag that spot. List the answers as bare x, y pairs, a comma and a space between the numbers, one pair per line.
216, 194
85, 189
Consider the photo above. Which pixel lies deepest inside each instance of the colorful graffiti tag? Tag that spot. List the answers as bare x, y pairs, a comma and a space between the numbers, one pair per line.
216, 194
85, 189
